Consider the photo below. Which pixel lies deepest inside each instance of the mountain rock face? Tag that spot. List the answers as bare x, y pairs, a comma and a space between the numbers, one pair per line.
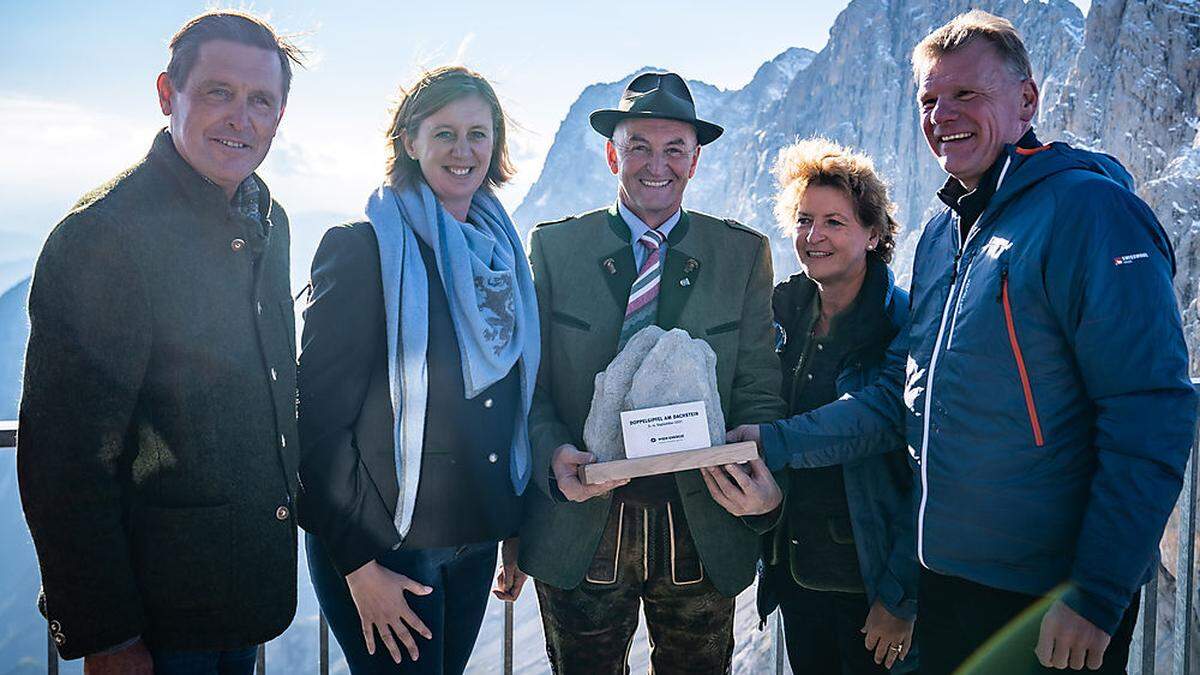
576, 178
1134, 92
858, 91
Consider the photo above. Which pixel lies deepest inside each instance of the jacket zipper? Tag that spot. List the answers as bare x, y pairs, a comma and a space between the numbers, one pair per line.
933, 359
1038, 440
937, 350
958, 305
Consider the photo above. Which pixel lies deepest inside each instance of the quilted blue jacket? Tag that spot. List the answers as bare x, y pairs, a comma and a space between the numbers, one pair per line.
1042, 384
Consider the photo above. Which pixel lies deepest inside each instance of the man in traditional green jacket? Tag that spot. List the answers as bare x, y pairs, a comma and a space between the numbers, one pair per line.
596, 551
156, 451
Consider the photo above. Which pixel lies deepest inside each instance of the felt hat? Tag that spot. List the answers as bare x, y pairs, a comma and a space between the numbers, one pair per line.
655, 96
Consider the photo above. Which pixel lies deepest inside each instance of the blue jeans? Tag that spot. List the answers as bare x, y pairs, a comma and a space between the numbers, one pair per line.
232, 662
460, 577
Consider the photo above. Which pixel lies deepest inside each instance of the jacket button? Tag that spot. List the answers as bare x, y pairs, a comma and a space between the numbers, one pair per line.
55, 626
237, 245
281, 513
820, 347
59, 639
273, 375
493, 458
808, 376
795, 542
487, 403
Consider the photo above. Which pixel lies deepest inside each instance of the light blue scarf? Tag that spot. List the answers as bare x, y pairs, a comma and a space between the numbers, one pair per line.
489, 289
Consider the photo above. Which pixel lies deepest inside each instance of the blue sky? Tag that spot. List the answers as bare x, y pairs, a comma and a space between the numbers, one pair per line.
77, 98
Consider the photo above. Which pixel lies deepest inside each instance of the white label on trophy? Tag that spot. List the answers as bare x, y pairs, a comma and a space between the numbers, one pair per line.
669, 428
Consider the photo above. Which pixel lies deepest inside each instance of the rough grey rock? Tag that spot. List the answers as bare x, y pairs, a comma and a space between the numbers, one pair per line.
602, 429
655, 368
858, 90
679, 369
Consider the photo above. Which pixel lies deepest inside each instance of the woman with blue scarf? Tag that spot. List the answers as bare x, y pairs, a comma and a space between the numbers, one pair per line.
419, 355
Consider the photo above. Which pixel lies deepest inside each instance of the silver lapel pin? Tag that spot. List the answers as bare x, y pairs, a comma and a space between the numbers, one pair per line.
685, 282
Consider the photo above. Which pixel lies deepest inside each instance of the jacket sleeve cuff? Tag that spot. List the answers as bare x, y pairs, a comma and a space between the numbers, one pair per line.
765, 522
77, 636
890, 592
774, 451
350, 552
1102, 613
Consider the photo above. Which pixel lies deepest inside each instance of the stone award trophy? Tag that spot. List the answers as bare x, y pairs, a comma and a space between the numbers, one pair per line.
656, 409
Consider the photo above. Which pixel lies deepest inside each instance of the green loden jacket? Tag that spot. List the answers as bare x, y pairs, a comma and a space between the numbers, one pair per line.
716, 285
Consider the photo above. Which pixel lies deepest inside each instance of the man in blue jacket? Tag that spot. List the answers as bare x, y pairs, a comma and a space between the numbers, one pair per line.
1042, 382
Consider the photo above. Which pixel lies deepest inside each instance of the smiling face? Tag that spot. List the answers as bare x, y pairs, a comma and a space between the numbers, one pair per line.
653, 160
454, 149
830, 240
972, 104
224, 116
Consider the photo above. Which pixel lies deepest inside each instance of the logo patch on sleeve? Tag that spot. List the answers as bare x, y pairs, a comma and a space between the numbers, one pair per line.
1131, 258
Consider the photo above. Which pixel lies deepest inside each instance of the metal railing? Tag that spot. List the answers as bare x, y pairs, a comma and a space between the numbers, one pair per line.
1142, 653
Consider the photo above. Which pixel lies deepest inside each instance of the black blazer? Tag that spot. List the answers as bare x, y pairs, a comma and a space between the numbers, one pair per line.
347, 471
347, 465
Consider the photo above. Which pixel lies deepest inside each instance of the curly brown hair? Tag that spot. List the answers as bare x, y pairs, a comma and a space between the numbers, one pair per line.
432, 92
820, 161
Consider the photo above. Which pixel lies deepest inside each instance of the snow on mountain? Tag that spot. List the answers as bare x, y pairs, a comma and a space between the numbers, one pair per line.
858, 90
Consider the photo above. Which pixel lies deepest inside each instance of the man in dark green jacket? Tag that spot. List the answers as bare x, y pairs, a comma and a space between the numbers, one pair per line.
600, 276
157, 435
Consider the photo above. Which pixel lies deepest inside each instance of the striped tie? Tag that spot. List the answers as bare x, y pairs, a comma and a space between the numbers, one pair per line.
642, 309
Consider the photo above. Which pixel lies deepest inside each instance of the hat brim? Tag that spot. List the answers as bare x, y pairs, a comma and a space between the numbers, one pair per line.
606, 121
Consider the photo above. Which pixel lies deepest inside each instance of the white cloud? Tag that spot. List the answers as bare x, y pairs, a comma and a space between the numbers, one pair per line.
56, 151
53, 148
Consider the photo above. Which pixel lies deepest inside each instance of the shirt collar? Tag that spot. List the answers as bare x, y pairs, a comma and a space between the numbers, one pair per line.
246, 200
969, 205
203, 192
637, 227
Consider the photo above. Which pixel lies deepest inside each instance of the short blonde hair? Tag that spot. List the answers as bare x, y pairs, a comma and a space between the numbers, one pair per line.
820, 161
965, 29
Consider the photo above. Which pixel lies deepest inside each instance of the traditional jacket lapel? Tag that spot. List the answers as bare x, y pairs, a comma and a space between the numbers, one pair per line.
680, 272
617, 266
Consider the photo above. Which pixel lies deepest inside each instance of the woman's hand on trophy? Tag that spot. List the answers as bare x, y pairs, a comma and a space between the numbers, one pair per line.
743, 489
746, 432
566, 462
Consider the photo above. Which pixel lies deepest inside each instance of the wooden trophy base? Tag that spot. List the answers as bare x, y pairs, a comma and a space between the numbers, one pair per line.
670, 462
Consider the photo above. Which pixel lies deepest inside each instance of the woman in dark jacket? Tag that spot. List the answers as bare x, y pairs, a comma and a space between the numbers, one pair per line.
419, 354
839, 564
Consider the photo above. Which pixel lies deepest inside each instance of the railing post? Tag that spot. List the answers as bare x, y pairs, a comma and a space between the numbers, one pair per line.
508, 637
1145, 634
51, 655
780, 645
1185, 582
323, 644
